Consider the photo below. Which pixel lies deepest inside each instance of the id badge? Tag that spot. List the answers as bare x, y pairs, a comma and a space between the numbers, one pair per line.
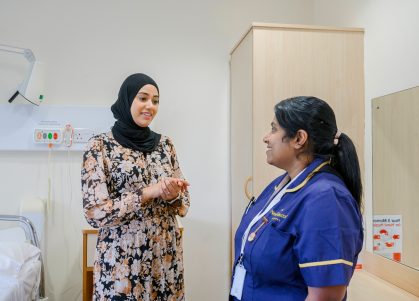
238, 281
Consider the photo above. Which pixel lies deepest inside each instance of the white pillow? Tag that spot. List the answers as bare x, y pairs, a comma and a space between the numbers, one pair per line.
13, 255
19, 261
11, 290
29, 277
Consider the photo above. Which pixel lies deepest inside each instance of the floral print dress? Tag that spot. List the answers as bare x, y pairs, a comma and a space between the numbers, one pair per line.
139, 247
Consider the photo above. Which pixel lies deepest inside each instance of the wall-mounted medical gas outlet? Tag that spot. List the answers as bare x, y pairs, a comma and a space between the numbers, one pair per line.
66, 136
48, 135
73, 126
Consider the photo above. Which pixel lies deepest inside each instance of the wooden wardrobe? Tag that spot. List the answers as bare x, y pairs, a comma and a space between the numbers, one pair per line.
273, 62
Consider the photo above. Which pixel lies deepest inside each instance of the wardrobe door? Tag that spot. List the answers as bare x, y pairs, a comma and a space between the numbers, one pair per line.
241, 130
306, 62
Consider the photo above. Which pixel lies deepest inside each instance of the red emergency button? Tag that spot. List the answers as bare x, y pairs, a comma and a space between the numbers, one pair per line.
55, 136
39, 135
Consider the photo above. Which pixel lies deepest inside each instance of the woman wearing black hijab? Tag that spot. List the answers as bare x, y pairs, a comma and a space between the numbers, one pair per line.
132, 190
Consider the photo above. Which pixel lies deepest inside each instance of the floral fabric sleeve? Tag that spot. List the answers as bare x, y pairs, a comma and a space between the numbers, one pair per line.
100, 209
180, 206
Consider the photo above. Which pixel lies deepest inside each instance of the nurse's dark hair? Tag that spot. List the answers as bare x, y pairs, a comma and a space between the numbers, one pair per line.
317, 118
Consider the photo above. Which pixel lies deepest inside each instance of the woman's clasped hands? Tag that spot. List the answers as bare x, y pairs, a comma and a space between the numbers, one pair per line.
167, 189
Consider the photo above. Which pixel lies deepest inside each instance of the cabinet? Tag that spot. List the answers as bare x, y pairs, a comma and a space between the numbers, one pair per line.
273, 62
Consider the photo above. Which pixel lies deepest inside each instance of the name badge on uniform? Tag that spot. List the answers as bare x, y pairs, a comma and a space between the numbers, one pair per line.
238, 281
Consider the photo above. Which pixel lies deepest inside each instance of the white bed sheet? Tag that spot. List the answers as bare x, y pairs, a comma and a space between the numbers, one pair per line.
11, 290
20, 270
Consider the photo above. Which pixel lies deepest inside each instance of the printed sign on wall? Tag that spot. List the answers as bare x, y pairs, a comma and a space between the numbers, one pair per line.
388, 236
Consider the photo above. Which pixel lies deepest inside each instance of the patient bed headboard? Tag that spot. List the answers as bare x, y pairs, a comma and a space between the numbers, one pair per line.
26, 225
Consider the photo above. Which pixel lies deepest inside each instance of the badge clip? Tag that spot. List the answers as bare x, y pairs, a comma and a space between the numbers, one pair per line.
252, 235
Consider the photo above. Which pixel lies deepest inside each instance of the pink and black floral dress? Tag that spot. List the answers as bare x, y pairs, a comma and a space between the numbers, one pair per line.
139, 247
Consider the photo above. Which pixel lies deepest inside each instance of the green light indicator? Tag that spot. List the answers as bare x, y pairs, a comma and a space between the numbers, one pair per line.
50, 136
41, 97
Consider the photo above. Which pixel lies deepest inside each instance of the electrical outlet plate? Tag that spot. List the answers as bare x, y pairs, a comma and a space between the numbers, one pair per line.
82, 135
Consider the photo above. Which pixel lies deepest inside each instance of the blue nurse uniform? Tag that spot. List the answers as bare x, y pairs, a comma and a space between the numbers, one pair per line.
311, 237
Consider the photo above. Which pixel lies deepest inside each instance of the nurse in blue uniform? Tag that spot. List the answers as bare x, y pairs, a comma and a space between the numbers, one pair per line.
300, 238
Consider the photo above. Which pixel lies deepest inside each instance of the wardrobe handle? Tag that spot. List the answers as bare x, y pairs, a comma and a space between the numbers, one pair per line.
246, 192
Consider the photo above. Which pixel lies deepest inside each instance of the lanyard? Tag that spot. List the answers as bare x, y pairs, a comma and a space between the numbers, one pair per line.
273, 200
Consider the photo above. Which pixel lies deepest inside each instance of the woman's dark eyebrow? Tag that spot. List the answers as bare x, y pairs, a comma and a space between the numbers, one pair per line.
147, 94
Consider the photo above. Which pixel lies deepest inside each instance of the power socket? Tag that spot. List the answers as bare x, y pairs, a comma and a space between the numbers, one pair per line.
82, 135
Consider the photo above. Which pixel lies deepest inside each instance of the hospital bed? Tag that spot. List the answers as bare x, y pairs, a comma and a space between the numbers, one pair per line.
21, 266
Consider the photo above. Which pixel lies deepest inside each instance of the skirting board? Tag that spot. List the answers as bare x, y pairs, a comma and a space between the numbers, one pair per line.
396, 273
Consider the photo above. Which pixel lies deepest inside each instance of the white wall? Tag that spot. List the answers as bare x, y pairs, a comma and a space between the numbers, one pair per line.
89, 48
391, 56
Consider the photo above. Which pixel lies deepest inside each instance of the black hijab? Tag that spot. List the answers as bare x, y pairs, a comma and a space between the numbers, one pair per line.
125, 130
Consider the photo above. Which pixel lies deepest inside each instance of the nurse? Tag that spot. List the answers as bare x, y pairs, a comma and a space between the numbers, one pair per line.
300, 239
